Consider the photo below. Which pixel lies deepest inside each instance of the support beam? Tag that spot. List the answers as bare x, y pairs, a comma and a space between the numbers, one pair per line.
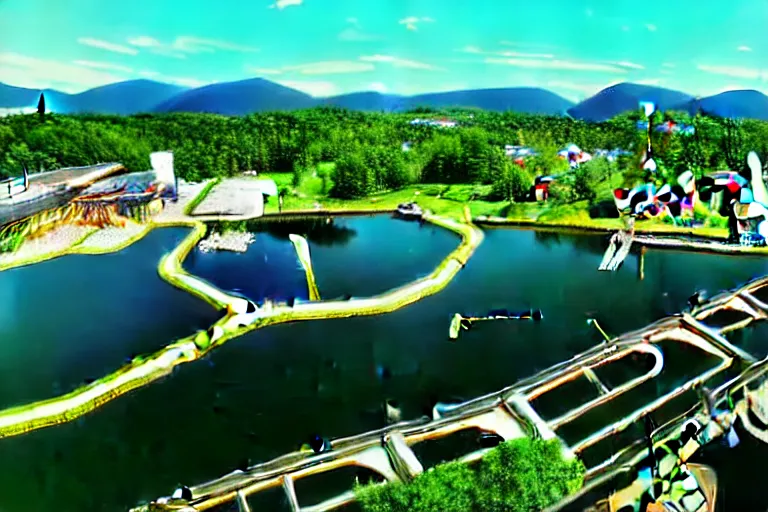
290, 492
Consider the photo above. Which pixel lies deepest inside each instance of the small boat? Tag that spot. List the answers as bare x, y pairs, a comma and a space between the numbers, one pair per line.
409, 211
460, 321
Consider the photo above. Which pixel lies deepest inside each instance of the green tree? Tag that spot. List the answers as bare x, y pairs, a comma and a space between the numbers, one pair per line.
41, 106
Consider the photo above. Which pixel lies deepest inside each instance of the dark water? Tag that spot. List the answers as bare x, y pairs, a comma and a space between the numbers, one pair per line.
263, 394
79, 317
351, 256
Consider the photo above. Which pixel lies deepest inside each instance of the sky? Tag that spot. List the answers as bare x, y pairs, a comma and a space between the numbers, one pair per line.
327, 47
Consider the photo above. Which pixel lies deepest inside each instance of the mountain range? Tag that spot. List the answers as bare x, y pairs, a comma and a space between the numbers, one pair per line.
259, 95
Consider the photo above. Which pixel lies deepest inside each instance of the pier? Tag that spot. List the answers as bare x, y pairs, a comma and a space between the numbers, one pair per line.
617, 252
511, 412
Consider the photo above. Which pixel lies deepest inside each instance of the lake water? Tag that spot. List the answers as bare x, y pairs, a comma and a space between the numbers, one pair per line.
265, 393
79, 317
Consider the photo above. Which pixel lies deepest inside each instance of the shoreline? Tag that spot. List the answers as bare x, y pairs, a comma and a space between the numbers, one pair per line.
144, 370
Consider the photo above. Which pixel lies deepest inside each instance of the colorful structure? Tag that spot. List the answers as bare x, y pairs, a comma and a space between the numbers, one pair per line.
574, 155
102, 195
646, 201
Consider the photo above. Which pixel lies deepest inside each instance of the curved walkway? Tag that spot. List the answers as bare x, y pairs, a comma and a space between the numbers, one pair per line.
236, 322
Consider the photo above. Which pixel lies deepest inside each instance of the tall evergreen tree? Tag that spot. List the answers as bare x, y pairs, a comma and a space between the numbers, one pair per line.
41, 106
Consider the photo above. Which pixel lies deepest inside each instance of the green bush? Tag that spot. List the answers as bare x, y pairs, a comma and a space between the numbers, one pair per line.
717, 221
434, 190
517, 476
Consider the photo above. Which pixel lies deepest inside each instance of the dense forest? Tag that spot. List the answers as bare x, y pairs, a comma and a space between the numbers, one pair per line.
368, 148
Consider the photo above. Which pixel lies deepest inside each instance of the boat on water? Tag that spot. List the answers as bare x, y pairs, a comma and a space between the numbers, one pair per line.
460, 321
409, 211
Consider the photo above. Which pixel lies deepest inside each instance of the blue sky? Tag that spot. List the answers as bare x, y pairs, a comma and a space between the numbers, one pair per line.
326, 47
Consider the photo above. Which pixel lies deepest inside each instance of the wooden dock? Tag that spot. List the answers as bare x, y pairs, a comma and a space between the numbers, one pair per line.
510, 412
617, 252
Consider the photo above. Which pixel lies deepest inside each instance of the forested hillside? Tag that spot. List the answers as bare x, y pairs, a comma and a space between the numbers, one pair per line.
367, 148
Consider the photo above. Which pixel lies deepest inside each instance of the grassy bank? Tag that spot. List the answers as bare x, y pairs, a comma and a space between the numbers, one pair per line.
449, 201
189, 209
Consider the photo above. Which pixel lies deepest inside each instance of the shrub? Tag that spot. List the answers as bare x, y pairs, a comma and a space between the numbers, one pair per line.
517, 476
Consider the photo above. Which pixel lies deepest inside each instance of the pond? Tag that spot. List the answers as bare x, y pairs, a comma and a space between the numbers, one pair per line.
78, 317
265, 393
351, 256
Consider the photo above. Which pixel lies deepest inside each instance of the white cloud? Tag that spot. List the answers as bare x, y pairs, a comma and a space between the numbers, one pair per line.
331, 67
398, 62
625, 28
104, 45
412, 22
668, 65
183, 45
314, 88
144, 41
471, 49
149, 74
631, 65
197, 45
527, 55
735, 71
651, 27
377, 87
24, 71
103, 65
355, 34
744, 49
650, 81
478, 51
282, 4
560, 65
263, 71
589, 13
536, 46
353, 21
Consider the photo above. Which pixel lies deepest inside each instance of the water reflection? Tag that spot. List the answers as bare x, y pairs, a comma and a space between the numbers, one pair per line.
324, 231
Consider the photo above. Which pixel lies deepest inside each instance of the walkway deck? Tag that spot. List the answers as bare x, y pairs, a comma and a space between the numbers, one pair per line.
508, 412
617, 252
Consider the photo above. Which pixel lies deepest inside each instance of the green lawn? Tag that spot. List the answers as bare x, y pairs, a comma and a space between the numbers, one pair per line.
449, 201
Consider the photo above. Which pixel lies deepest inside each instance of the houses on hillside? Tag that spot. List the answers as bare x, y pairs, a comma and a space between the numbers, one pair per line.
438, 123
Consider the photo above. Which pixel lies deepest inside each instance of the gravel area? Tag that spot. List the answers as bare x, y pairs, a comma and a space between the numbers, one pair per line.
113, 237
241, 197
58, 240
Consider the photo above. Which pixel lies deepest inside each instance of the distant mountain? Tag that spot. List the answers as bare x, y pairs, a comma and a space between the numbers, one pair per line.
238, 98
123, 98
527, 100
367, 101
519, 99
17, 97
737, 104
260, 95
625, 97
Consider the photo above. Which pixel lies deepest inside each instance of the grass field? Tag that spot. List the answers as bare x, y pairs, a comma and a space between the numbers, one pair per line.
449, 201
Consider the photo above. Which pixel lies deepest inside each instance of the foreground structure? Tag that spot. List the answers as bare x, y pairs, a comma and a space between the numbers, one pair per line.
511, 413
